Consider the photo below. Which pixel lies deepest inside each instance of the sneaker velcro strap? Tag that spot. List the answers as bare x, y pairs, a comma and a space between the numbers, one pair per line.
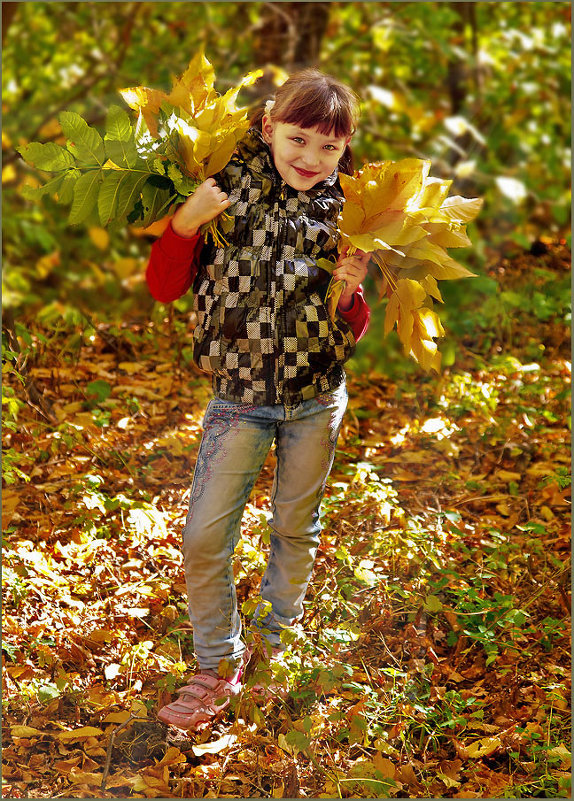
203, 680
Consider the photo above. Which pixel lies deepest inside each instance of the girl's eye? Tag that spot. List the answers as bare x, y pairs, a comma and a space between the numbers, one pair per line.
330, 147
298, 139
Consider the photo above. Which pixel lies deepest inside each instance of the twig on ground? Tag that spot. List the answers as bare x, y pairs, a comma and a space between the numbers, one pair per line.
111, 743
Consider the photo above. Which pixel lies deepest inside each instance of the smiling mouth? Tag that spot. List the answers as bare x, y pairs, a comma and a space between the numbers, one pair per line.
305, 173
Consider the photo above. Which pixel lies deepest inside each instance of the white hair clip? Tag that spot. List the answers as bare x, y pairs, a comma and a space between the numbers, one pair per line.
268, 106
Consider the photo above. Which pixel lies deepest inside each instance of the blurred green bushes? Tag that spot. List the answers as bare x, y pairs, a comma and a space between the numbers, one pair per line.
481, 89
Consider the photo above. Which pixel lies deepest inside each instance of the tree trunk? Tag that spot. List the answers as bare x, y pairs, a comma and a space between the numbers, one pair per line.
8, 11
460, 70
290, 34
457, 67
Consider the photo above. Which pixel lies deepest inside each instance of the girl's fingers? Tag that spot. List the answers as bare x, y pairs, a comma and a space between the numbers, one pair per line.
353, 275
352, 268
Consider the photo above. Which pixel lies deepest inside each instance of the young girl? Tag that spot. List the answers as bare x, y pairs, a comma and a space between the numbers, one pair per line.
276, 360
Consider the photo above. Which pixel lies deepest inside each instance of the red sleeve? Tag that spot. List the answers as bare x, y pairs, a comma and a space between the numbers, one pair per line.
358, 315
172, 265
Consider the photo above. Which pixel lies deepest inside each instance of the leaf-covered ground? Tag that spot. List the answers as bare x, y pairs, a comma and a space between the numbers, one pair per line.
434, 658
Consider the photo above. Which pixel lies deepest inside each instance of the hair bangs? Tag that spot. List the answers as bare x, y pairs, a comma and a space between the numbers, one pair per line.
312, 99
328, 117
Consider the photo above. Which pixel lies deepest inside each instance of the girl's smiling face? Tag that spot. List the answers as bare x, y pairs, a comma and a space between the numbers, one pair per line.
303, 156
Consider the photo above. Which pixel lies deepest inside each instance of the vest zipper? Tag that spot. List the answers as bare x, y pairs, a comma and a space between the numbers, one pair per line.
278, 390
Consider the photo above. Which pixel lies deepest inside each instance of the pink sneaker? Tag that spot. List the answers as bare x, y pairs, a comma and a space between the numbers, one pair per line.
204, 699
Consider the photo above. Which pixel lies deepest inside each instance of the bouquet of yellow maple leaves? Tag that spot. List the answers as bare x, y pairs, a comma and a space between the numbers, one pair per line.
135, 173
400, 215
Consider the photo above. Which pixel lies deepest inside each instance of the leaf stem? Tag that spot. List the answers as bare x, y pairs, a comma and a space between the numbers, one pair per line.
387, 274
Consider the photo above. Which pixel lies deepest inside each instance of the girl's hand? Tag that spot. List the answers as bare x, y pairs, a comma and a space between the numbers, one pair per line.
201, 207
352, 270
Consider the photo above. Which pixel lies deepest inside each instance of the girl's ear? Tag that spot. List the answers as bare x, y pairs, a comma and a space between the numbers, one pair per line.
267, 128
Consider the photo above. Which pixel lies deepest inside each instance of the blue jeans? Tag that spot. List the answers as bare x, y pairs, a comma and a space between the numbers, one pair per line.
235, 442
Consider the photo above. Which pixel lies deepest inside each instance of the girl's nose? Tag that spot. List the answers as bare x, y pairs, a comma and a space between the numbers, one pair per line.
312, 158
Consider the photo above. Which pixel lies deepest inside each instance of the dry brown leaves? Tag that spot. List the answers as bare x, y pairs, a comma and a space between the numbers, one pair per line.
448, 479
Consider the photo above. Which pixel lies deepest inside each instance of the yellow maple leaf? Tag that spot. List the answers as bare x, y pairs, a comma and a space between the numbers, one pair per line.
404, 217
204, 126
194, 88
208, 125
147, 102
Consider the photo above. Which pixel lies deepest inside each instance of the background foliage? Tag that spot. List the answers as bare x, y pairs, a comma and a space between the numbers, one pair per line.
482, 89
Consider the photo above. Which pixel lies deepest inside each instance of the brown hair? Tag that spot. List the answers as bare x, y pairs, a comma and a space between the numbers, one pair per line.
311, 99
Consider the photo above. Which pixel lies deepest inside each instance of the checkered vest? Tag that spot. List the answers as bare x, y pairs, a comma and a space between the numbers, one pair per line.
263, 329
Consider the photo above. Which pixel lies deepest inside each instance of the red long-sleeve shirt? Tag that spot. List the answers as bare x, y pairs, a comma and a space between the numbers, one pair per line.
174, 261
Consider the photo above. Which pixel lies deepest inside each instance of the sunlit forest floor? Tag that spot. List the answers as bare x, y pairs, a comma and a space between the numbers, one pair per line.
434, 657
